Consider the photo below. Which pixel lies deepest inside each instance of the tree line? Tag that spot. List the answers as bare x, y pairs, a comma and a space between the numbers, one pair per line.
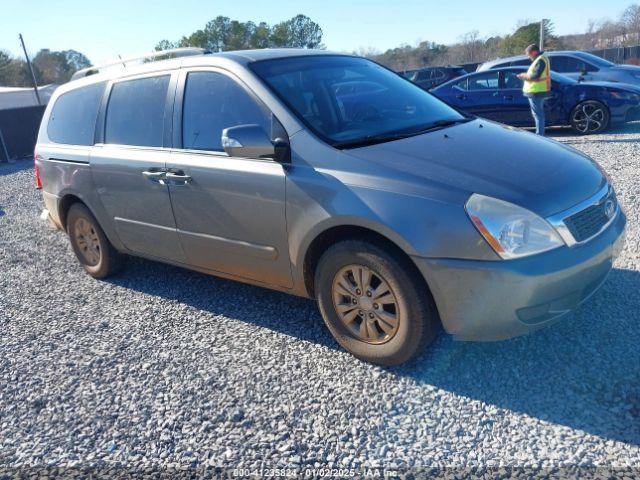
220, 34
473, 48
223, 34
48, 67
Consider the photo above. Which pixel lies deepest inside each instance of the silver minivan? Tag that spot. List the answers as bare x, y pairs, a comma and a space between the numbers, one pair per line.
331, 177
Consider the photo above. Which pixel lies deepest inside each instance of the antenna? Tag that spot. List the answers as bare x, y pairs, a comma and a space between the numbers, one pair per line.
33, 76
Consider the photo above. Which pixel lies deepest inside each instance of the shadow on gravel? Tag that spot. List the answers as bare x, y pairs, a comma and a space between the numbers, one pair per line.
263, 307
9, 168
583, 372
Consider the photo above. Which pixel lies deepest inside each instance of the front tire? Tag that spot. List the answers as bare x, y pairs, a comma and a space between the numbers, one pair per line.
589, 117
374, 303
92, 248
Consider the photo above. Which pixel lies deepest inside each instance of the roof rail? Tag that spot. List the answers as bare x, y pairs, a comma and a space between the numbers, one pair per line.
176, 52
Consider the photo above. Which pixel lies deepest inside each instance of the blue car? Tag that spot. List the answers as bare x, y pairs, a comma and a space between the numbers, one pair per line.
586, 107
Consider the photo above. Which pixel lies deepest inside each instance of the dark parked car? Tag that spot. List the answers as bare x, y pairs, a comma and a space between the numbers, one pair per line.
576, 65
433, 76
586, 107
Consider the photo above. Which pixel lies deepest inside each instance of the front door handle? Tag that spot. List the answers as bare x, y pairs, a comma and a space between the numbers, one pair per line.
154, 175
177, 177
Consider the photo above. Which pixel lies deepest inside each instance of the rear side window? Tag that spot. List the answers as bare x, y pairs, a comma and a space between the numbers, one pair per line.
462, 84
73, 117
484, 81
135, 115
213, 102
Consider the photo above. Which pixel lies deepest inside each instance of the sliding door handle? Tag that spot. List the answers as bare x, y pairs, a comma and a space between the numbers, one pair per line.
177, 178
154, 176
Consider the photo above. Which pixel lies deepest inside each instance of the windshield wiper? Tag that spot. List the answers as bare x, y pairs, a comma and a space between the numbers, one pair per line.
373, 139
443, 123
388, 137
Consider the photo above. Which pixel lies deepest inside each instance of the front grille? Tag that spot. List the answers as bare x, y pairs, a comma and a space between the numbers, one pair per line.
588, 222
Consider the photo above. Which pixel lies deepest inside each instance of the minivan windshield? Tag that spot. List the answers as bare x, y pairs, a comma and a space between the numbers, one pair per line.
351, 101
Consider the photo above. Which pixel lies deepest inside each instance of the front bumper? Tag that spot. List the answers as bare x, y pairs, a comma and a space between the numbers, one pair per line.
485, 300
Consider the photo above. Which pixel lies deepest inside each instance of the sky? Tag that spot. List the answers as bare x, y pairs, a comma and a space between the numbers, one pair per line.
102, 30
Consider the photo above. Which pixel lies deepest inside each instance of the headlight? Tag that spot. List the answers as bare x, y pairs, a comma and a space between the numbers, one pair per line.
511, 231
624, 95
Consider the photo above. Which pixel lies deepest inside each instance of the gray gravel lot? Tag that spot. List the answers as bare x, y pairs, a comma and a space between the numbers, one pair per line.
163, 367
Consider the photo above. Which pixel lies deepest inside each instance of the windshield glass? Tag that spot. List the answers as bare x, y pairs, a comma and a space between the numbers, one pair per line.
597, 61
351, 100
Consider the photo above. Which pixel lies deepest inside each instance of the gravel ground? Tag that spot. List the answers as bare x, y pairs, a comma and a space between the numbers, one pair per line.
162, 368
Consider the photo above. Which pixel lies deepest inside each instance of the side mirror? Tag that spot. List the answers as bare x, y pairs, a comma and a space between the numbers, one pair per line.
251, 141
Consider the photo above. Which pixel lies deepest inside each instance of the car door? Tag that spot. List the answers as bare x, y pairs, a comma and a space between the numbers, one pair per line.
229, 211
483, 97
516, 108
128, 163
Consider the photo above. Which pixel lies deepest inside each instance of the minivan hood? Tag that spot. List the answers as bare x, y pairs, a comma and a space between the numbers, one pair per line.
480, 156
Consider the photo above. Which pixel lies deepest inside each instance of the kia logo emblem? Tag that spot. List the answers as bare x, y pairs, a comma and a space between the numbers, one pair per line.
609, 208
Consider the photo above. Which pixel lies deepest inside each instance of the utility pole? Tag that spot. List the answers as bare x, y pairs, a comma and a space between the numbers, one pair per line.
33, 76
541, 42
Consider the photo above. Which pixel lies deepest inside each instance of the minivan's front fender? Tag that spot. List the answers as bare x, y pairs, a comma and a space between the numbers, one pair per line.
320, 200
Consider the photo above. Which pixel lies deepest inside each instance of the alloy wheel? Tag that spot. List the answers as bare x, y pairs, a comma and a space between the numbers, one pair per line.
366, 304
88, 241
589, 117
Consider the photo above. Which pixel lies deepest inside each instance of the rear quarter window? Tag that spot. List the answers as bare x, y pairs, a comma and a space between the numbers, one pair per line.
135, 114
73, 116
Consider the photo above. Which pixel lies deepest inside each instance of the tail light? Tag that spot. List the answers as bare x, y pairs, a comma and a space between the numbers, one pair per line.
36, 157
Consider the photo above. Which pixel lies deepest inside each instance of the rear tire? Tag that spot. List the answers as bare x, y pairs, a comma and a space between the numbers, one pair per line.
589, 117
92, 248
374, 303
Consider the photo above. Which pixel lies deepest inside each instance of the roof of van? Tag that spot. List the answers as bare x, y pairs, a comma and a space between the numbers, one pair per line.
270, 53
238, 57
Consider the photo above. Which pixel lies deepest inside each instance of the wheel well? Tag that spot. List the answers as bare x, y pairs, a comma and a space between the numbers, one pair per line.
330, 237
606, 107
64, 206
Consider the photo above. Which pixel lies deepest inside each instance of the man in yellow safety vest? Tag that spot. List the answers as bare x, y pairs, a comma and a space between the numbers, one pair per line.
537, 84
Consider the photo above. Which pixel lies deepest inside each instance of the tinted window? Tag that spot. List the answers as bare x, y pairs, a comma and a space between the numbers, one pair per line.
564, 64
484, 81
213, 102
308, 86
135, 115
462, 84
511, 80
73, 117
521, 63
595, 60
